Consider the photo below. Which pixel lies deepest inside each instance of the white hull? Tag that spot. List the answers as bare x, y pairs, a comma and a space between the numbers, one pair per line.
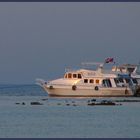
89, 92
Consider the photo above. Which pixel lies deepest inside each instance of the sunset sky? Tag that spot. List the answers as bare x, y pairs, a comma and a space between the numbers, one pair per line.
39, 40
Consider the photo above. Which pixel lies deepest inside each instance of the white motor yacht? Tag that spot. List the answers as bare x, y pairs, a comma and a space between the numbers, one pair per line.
85, 82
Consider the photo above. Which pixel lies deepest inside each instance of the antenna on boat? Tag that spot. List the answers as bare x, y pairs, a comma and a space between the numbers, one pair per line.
100, 65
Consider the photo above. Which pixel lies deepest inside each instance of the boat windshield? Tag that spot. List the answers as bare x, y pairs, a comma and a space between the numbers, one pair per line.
119, 82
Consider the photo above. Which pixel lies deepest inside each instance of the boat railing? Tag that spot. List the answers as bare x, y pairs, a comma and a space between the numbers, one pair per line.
70, 70
92, 63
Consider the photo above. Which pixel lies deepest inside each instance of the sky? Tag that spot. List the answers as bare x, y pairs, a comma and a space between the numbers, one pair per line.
41, 39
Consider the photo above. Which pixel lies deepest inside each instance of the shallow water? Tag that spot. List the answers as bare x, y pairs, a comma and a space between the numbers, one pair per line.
64, 117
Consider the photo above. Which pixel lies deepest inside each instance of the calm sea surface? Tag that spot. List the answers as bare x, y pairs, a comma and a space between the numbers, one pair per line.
64, 117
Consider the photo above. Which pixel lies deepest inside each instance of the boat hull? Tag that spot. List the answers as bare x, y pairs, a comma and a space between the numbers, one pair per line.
89, 92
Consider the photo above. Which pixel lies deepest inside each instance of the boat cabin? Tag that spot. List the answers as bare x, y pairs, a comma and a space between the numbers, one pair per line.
87, 77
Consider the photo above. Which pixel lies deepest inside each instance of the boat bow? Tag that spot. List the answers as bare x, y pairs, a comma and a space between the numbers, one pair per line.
41, 82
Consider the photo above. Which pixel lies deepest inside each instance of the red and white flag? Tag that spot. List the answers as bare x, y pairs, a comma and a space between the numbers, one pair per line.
109, 60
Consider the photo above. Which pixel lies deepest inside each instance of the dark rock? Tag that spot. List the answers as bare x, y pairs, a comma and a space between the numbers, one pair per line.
23, 103
17, 103
107, 103
103, 103
125, 100
44, 99
68, 104
88, 101
91, 104
58, 103
36, 103
93, 100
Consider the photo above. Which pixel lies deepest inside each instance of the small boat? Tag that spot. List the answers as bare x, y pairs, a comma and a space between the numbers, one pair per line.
133, 71
136, 73
94, 83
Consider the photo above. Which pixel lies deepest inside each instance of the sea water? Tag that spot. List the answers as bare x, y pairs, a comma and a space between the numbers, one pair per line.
64, 117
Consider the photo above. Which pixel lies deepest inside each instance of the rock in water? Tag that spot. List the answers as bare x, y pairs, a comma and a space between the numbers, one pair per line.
36, 103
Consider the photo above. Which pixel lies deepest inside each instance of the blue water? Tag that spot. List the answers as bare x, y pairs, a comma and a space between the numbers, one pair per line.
63, 117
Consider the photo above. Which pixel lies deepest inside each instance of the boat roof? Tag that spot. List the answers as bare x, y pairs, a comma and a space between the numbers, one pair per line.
94, 73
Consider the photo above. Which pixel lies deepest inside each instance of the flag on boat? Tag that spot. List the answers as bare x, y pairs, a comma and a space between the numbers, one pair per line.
109, 60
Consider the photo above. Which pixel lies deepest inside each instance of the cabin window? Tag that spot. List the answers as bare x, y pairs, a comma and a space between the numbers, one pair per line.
85, 80
104, 83
116, 81
79, 76
127, 80
97, 81
69, 75
121, 80
74, 75
107, 83
91, 81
